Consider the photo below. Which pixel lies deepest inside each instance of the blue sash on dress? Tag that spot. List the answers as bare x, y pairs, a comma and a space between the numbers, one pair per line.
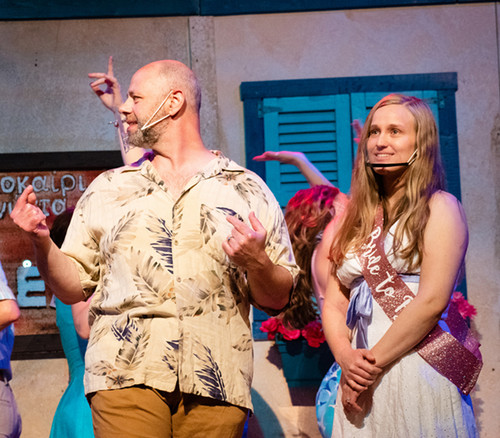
359, 312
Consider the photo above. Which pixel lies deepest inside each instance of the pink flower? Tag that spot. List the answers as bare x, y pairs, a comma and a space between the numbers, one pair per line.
465, 309
288, 335
271, 327
313, 333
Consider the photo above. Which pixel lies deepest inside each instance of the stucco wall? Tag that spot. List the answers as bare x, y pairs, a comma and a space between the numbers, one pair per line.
48, 106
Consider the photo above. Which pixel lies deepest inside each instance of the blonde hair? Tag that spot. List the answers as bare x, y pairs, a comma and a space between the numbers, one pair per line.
420, 181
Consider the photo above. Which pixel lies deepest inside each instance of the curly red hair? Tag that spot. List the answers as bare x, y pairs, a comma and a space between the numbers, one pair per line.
306, 214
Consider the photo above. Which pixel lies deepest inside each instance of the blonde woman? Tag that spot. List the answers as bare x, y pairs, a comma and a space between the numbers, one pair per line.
396, 256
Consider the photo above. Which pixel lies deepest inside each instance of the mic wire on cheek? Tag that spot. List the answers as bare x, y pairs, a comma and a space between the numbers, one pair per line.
410, 161
150, 124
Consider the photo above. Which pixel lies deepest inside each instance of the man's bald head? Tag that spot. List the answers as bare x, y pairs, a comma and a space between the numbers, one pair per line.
176, 75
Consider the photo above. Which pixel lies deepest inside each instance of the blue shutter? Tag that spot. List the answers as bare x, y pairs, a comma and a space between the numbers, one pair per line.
317, 126
320, 128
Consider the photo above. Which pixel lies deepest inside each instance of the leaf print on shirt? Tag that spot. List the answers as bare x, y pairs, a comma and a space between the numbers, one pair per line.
227, 178
84, 200
153, 286
170, 354
101, 294
133, 193
244, 343
99, 330
275, 237
132, 352
178, 213
248, 189
209, 374
124, 329
212, 218
128, 191
109, 174
163, 241
208, 225
238, 284
211, 297
101, 368
121, 235
114, 378
229, 212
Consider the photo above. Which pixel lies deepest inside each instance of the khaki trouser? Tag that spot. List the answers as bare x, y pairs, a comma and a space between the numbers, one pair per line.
143, 412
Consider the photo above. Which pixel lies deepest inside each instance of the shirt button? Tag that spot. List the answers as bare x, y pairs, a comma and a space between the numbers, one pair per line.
178, 279
176, 242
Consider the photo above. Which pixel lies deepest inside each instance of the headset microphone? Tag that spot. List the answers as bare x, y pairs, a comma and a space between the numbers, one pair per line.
412, 158
150, 124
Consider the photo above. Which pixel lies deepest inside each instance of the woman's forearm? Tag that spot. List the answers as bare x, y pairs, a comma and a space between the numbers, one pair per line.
411, 326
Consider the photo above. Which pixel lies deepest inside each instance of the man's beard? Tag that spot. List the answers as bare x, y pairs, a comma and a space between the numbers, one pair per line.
143, 139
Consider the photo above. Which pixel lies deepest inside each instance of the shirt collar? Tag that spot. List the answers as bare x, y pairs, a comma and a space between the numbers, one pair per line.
219, 165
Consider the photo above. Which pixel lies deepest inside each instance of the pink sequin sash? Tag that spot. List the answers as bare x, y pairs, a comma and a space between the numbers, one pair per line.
454, 354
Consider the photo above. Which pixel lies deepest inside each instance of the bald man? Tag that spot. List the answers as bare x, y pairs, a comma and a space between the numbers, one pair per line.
174, 250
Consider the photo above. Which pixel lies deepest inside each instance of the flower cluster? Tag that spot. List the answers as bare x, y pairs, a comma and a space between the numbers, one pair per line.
465, 309
312, 332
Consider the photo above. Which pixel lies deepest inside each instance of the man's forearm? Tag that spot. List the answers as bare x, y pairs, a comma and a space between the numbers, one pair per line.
270, 286
58, 271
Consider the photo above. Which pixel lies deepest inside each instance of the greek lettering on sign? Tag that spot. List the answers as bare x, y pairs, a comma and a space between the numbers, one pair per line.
52, 192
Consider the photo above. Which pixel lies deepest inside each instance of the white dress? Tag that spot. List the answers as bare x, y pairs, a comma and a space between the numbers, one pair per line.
411, 399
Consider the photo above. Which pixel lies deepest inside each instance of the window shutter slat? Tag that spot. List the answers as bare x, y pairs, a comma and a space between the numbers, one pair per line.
311, 125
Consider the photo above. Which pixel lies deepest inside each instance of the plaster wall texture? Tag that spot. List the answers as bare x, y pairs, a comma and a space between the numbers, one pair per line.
48, 106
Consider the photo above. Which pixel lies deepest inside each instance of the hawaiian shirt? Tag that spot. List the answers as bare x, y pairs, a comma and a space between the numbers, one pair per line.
168, 306
7, 334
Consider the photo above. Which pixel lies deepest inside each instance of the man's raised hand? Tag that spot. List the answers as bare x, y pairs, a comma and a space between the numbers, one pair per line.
27, 216
110, 96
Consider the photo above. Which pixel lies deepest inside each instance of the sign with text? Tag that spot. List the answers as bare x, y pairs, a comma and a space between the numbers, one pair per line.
55, 192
